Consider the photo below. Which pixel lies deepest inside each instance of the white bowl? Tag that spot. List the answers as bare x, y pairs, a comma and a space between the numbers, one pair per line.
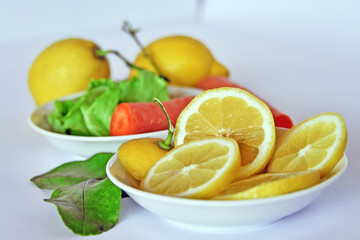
217, 215
85, 146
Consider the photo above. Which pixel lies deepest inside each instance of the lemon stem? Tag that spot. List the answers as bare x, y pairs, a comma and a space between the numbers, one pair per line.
103, 53
167, 143
132, 31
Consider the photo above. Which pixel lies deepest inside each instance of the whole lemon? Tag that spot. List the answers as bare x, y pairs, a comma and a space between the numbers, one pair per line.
65, 67
137, 156
182, 60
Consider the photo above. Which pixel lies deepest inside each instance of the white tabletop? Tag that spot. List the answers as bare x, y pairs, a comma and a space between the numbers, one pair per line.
302, 57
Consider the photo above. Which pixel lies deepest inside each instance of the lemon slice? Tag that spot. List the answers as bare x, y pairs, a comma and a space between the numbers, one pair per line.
269, 184
197, 169
317, 143
233, 113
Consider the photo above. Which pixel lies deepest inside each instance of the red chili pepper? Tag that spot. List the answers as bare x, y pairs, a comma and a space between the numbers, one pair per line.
281, 120
134, 118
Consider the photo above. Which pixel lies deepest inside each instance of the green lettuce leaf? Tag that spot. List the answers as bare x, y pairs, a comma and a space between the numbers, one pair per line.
67, 118
100, 101
90, 114
74, 172
144, 87
90, 207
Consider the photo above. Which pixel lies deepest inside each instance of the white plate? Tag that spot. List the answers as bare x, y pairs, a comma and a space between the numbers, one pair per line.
216, 215
85, 146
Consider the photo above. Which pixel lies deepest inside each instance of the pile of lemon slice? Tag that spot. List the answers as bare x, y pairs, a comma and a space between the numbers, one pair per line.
226, 148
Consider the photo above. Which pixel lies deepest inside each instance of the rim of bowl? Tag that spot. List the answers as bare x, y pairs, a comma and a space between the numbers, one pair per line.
49, 133
90, 138
228, 203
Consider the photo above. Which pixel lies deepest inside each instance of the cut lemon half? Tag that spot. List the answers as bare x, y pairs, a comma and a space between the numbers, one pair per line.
268, 185
317, 143
197, 169
232, 113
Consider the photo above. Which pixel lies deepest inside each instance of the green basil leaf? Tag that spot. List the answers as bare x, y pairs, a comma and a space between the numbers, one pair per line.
74, 172
90, 207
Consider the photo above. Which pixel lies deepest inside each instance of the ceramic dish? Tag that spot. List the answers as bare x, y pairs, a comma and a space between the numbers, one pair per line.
217, 215
83, 146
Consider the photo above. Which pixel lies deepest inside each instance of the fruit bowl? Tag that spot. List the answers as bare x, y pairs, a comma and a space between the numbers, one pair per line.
85, 146
220, 215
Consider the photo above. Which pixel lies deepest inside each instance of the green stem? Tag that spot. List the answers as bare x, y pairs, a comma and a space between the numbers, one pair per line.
132, 31
103, 53
167, 143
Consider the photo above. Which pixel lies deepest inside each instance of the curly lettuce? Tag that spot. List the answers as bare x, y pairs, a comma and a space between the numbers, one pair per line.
90, 114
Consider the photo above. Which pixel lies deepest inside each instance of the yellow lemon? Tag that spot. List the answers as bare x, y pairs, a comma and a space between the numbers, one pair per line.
137, 156
197, 169
65, 67
232, 113
181, 59
268, 185
317, 143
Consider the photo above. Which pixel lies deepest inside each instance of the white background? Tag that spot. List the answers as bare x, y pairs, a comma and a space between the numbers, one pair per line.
301, 56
